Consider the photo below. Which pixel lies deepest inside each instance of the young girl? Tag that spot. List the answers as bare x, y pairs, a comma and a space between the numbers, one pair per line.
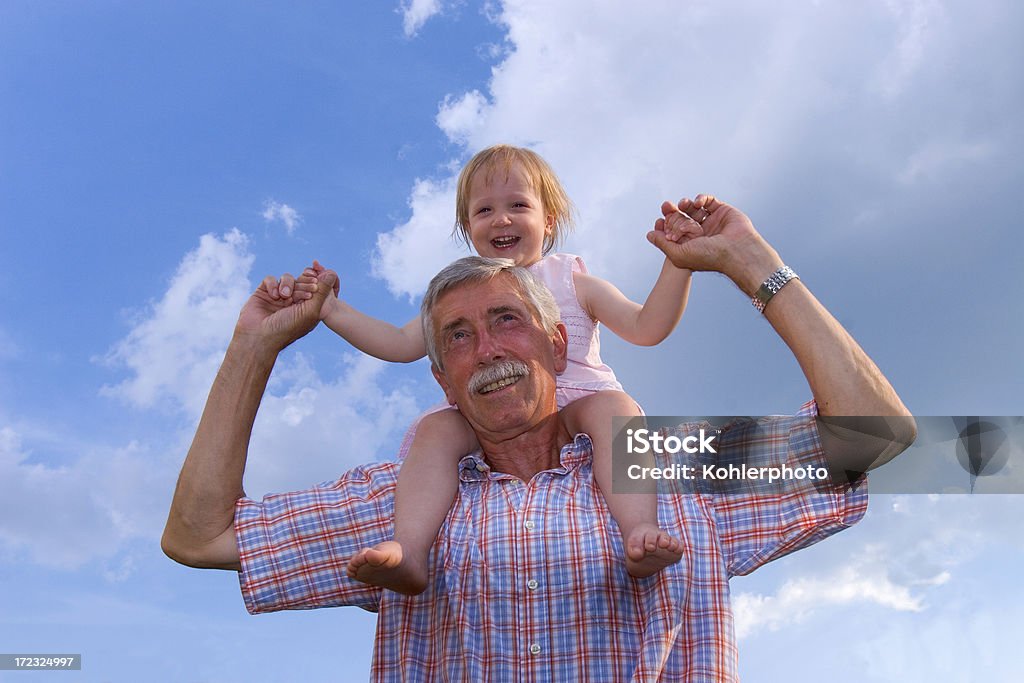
510, 204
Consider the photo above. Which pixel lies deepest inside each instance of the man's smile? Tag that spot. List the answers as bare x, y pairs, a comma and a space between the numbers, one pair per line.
497, 376
494, 386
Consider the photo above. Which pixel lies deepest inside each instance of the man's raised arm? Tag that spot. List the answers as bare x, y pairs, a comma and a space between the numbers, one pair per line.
200, 525
864, 423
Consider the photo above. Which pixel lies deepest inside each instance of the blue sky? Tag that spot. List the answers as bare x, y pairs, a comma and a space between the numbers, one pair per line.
157, 159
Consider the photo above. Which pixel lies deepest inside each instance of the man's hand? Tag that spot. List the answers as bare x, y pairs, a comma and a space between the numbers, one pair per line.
279, 312
723, 240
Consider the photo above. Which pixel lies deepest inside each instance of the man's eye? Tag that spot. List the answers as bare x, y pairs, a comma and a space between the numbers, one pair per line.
508, 317
458, 335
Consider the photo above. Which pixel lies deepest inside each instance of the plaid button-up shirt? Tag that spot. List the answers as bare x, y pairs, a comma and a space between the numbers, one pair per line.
528, 581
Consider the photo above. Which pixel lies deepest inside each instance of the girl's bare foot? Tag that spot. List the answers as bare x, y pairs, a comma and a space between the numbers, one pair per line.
649, 550
384, 565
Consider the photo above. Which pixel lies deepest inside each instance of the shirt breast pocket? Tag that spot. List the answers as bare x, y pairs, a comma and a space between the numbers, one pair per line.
610, 596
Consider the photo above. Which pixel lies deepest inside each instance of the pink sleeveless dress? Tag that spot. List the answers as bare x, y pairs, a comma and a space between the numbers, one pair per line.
586, 372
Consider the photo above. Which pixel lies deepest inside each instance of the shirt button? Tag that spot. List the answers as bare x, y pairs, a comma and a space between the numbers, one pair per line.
529, 525
532, 584
480, 467
535, 649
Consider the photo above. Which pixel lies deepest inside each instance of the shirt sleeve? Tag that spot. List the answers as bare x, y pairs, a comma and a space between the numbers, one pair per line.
294, 547
755, 526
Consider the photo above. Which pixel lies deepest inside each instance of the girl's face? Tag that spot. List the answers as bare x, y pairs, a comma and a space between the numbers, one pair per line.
507, 217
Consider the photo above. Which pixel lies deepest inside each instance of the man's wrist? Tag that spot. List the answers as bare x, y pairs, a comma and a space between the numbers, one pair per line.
754, 264
772, 286
251, 348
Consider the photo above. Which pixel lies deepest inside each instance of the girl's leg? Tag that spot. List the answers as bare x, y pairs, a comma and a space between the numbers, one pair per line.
649, 549
427, 484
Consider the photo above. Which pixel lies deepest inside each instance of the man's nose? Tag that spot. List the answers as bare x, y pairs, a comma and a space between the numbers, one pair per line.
489, 347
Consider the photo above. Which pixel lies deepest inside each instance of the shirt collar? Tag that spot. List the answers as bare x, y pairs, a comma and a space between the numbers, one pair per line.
474, 467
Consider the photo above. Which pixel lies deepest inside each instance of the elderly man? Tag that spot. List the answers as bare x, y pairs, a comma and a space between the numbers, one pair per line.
526, 580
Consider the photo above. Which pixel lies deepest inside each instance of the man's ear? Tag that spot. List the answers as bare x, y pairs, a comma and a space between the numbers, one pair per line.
442, 379
560, 341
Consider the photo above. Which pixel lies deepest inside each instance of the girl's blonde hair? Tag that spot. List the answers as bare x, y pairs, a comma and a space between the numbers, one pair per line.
543, 180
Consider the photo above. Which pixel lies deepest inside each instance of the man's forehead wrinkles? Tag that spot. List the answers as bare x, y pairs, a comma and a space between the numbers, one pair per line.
505, 308
504, 298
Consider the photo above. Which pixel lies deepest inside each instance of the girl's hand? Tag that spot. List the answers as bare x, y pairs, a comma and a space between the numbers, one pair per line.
677, 225
306, 285
318, 269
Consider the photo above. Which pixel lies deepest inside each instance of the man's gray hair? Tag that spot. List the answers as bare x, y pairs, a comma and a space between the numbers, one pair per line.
473, 269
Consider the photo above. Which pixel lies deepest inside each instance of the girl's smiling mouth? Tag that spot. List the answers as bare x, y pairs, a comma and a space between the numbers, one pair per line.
505, 241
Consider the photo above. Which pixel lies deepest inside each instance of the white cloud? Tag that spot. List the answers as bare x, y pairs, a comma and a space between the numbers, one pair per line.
750, 101
910, 555
938, 156
968, 640
798, 599
416, 13
916, 23
310, 429
173, 353
275, 211
620, 143
65, 516
460, 117
408, 256
96, 503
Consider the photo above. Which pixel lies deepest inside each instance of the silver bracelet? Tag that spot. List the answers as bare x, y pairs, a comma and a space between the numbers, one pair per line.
771, 287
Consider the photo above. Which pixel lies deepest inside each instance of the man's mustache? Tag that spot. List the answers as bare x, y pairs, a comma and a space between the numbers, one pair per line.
506, 369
